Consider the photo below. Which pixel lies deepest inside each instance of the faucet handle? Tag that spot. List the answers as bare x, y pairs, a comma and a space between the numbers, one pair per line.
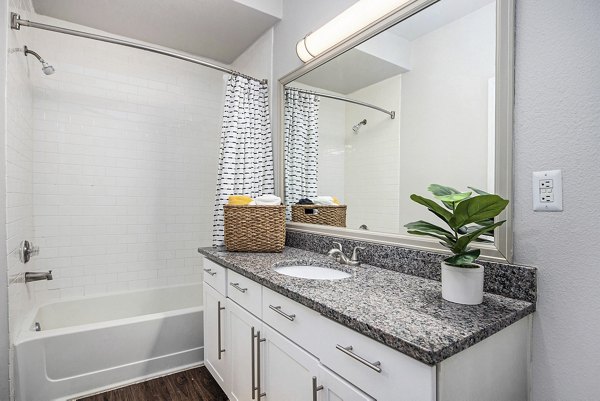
338, 245
355, 253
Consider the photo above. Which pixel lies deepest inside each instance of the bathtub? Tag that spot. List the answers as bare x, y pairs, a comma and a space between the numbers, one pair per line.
91, 344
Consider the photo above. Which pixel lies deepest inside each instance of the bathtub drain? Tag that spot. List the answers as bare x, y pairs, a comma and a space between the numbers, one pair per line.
37, 326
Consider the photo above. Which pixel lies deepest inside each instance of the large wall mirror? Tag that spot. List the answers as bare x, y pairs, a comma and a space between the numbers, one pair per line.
421, 97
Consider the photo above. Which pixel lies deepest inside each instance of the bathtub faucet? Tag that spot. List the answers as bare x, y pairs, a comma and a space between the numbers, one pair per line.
37, 276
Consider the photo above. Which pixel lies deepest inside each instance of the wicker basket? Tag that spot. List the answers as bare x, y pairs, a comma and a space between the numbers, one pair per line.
254, 228
316, 214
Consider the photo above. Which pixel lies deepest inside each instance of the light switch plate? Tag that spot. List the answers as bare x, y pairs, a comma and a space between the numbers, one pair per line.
547, 191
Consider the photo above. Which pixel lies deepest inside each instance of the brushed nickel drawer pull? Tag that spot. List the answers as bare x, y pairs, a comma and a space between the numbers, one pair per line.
253, 369
315, 388
282, 313
259, 392
376, 366
209, 271
219, 309
237, 287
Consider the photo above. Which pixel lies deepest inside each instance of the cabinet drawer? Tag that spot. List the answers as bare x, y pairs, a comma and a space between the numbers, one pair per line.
247, 293
382, 372
215, 275
295, 321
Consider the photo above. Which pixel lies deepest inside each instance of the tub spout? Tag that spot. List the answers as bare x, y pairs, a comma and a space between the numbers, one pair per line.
37, 276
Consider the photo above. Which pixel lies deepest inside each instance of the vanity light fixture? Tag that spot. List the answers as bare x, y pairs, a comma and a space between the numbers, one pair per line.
352, 20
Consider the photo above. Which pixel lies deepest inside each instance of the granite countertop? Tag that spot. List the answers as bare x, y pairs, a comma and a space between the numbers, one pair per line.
404, 312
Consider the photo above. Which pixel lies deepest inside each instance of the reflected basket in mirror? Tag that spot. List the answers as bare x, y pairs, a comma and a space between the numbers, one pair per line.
316, 214
254, 228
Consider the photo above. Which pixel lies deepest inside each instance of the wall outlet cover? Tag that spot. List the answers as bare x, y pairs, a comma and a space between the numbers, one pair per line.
547, 191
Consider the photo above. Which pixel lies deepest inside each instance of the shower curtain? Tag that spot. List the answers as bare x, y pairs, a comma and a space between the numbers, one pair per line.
246, 154
301, 131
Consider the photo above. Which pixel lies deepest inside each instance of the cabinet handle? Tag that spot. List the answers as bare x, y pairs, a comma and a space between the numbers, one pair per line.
376, 366
282, 313
237, 287
209, 271
253, 362
315, 388
257, 388
220, 308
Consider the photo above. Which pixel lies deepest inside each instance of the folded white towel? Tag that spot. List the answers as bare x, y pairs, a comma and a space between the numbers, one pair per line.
268, 200
323, 200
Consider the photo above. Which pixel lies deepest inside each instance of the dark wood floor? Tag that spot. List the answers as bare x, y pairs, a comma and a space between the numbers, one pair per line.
190, 385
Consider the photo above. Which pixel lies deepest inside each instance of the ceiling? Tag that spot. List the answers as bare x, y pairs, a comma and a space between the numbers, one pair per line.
217, 29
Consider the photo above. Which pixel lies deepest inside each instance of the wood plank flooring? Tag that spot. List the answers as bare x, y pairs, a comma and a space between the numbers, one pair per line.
190, 385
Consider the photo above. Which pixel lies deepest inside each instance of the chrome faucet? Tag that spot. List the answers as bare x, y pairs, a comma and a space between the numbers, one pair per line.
337, 253
37, 276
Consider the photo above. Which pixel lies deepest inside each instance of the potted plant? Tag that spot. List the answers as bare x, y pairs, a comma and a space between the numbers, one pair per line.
468, 218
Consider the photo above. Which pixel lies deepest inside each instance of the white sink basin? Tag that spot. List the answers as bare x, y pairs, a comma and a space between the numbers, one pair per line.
312, 272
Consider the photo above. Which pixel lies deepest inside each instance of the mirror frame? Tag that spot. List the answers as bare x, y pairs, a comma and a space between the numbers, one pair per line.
502, 249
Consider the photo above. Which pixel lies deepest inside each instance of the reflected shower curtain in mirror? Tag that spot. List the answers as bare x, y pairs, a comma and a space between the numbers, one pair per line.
301, 131
246, 154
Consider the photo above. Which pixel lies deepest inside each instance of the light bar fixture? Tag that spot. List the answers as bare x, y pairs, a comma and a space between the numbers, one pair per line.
352, 20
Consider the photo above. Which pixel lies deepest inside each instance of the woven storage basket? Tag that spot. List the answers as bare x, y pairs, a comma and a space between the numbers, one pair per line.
254, 228
325, 215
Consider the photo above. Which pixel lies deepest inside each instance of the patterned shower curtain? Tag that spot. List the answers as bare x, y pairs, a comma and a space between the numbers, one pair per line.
246, 154
301, 131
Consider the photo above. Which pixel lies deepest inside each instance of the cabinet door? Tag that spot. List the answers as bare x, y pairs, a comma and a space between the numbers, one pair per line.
242, 330
288, 369
334, 388
215, 327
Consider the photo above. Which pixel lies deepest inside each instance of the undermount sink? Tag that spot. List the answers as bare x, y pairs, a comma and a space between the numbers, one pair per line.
312, 272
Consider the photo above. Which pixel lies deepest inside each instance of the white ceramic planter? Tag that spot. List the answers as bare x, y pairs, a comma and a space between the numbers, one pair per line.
462, 285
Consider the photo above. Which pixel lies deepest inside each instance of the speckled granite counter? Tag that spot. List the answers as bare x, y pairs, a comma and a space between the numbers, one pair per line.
405, 312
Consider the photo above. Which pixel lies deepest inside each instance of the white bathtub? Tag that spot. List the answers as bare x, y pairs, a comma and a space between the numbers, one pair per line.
95, 343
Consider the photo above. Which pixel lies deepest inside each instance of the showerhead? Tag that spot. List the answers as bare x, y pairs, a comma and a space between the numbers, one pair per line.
356, 128
46, 68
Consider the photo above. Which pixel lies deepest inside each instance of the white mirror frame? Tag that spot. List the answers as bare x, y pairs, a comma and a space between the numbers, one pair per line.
502, 250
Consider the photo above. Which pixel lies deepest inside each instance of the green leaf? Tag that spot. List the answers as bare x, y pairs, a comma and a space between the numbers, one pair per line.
478, 191
464, 241
453, 198
476, 209
463, 259
432, 206
424, 228
440, 190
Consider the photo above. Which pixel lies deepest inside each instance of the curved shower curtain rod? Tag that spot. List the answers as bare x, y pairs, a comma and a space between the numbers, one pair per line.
16, 22
392, 113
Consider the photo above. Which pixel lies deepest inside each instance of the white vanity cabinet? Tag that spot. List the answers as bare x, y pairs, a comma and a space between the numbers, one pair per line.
215, 356
243, 329
261, 345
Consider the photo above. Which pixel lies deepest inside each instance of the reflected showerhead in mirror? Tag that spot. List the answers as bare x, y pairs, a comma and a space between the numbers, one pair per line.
356, 128
46, 68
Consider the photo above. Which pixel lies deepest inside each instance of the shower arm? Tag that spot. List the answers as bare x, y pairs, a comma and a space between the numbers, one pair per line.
27, 51
16, 23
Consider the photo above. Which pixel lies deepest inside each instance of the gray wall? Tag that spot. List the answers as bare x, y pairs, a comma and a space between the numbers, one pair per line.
4, 385
557, 126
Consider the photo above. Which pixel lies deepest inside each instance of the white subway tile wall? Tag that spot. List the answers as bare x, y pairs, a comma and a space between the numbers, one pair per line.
19, 184
125, 150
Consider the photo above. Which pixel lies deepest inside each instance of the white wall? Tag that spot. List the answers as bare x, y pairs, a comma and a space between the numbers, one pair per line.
557, 126
445, 110
257, 60
124, 172
373, 162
